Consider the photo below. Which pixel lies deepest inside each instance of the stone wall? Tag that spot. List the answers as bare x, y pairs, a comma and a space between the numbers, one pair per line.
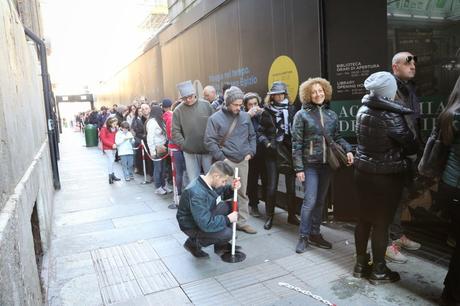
25, 168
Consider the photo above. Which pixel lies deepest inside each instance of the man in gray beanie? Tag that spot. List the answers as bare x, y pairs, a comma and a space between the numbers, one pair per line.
230, 137
188, 128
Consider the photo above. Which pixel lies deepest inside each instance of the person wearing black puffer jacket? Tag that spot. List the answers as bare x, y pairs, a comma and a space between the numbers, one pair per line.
384, 145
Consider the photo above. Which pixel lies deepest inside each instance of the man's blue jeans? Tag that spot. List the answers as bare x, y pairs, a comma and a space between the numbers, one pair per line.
179, 166
195, 163
317, 181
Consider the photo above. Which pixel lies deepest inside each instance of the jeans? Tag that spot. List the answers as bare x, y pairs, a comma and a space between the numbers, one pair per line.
316, 184
195, 163
158, 173
127, 165
179, 168
378, 196
203, 239
110, 156
243, 201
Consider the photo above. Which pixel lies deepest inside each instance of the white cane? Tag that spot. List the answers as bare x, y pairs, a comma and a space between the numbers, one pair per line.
234, 208
234, 256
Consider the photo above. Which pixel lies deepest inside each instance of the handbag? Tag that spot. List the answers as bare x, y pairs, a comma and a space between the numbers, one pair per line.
434, 156
335, 155
284, 160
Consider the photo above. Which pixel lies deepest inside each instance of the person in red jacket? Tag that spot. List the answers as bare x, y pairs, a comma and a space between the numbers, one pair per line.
107, 136
176, 153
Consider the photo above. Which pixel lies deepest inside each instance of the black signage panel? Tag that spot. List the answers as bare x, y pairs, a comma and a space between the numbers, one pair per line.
356, 44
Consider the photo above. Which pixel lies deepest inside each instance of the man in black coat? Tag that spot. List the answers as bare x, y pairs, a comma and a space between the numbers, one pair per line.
403, 66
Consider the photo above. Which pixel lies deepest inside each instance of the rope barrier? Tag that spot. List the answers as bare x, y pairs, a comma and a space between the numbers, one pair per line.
142, 146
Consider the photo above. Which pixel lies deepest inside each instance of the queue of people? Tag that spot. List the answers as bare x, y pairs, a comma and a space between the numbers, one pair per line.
208, 138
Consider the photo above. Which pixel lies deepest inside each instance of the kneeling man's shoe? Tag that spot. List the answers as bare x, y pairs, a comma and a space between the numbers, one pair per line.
193, 248
222, 248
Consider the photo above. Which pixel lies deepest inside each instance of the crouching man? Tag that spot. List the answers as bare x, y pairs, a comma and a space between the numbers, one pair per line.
204, 215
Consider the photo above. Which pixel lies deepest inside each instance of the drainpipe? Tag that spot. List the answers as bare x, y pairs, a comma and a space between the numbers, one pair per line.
48, 109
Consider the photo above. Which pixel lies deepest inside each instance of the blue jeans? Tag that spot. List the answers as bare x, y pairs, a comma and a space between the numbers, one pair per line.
179, 167
316, 185
159, 173
127, 165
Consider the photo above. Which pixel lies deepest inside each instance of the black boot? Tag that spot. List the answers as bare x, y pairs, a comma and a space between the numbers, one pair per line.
193, 247
319, 241
293, 219
302, 244
362, 266
381, 274
270, 212
114, 178
110, 179
269, 222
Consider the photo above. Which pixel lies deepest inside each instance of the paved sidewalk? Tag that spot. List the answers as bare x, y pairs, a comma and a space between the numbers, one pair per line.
119, 244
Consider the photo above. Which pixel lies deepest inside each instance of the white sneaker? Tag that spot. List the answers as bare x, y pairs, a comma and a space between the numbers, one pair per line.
407, 244
394, 255
167, 189
160, 191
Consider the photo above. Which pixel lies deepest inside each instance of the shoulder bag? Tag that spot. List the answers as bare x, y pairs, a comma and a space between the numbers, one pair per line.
434, 156
335, 155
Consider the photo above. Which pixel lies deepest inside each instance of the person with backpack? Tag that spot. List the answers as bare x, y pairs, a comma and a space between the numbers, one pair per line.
157, 143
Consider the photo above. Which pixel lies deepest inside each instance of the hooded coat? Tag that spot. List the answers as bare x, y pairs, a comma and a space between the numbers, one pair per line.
384, 138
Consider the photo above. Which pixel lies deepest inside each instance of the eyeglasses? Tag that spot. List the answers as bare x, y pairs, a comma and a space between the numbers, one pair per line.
410, 58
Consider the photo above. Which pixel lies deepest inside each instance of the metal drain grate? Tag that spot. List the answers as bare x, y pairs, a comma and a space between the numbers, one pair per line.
128, 271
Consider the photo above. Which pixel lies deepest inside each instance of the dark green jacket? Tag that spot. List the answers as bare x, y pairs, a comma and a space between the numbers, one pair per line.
451, 174
196, 205
189, 125
308, 143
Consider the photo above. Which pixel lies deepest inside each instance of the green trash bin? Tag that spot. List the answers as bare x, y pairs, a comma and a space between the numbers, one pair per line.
91, 135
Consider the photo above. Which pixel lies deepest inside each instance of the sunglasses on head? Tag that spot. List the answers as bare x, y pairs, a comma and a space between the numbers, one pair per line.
410, 58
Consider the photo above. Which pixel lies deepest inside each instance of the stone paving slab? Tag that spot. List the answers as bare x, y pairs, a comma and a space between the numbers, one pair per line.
208, 292
106, 238
170, 297
68, 267
98, 214
251, 275
86, 228
144, 218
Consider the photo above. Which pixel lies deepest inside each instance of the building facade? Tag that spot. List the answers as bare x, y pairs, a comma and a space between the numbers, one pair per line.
26, 180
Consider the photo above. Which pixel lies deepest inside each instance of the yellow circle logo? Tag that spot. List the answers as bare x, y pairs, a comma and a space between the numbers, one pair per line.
284, 69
